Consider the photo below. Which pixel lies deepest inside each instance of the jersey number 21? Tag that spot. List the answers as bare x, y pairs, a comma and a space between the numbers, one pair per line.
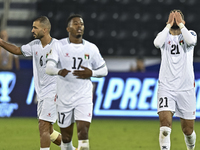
175, 49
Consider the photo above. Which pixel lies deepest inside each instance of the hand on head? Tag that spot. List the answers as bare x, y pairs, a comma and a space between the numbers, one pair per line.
171, 18
175, 17
178, 18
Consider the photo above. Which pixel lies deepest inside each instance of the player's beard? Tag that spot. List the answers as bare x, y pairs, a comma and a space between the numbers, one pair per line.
39, 35
78, 36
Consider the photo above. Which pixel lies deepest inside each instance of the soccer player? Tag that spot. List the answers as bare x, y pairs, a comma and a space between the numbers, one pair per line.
176, 91
75, 60
45, 85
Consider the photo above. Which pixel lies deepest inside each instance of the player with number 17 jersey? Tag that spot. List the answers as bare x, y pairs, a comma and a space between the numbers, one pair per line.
72, 56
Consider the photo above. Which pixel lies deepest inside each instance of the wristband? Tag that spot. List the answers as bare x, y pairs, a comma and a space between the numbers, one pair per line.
168, 26
181, 25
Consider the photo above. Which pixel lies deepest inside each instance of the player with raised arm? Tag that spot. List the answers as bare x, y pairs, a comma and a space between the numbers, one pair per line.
45, 85
176, 89
75, 60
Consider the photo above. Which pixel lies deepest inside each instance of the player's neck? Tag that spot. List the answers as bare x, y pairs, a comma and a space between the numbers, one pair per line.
46, 40
175, 31
75, 40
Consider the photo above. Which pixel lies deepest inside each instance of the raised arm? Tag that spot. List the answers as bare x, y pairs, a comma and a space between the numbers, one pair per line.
10, 47
160, 39
189, 36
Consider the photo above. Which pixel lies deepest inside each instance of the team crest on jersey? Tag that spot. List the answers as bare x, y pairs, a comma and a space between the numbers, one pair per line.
181, 42
87, 56
48, 53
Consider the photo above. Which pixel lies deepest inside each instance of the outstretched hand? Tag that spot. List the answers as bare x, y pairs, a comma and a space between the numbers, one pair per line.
83, 74
171, 18
63, 72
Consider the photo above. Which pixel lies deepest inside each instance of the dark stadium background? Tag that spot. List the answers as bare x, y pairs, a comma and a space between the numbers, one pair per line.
120, 27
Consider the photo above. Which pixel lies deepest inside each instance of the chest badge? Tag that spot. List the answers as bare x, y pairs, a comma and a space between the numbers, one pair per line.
87, 56
181, 42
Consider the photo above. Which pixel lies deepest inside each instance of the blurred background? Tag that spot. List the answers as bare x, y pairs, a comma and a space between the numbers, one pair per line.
123, 30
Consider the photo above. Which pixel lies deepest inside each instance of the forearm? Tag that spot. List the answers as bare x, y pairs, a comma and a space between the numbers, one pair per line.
51, 68
11, 47
101, 72
188, 37
161, 37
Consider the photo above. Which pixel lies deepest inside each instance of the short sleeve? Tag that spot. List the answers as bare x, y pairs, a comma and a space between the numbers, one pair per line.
54, 53
97, 59
27, 50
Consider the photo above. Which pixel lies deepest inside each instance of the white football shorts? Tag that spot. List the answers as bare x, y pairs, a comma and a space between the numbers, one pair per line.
46, 110
69, 114
182, 103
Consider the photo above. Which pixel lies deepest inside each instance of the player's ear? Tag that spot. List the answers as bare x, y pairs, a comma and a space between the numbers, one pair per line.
45, 30
68, 29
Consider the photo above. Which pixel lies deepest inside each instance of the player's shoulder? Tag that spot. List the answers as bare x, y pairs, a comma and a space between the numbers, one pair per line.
64, 41
89, 44
34, 42
54, 40
193, 32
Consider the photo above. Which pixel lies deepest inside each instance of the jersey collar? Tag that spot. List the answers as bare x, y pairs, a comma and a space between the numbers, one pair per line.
70, 42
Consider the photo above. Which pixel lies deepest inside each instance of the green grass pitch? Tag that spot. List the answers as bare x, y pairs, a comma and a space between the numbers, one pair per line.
105, 134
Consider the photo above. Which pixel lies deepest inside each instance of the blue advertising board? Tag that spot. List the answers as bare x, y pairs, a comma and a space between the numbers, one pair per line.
126, 95
120, 94
17, 94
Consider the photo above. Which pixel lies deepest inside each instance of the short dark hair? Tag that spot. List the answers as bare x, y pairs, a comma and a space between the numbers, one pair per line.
71, 17
179, 12
45, 21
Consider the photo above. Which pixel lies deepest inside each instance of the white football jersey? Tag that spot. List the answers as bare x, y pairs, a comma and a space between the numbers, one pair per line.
45, 85
176, 70
71, 90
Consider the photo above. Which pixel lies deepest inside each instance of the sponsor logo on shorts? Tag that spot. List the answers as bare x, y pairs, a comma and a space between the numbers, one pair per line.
49, 114
193, 113
89, 115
